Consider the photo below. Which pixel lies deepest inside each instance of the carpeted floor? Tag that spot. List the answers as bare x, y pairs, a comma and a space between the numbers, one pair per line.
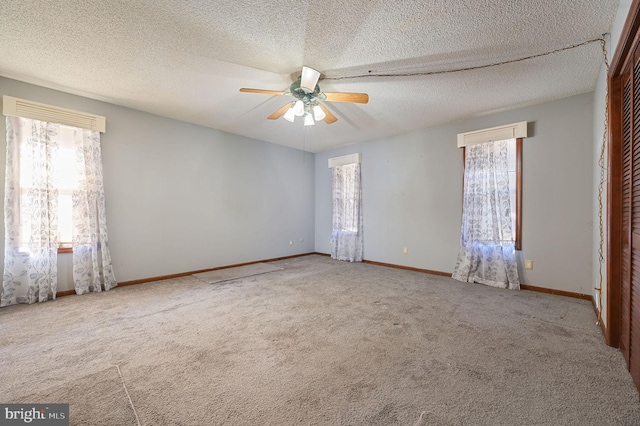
319, 342
227, 274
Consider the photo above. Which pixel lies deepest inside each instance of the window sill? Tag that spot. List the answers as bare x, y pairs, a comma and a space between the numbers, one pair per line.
60, 250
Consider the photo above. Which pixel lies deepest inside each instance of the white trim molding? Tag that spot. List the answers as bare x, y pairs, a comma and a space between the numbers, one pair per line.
53, 114
345, 159
500, 133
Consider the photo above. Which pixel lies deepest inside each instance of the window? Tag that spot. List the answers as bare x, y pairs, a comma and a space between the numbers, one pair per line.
514, 175
54, 199
346, 218
346, 235
62, 183
491, 206
66, 181
57, 179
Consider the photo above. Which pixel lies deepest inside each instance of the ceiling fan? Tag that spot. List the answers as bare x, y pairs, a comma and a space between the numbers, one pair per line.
308, 97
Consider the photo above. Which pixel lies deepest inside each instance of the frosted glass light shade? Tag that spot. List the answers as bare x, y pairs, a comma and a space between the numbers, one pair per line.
290, 115
298, 108
309, 78
318, 113
308, 120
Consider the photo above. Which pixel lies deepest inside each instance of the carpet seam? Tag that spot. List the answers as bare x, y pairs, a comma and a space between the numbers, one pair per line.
420, 419
128, 396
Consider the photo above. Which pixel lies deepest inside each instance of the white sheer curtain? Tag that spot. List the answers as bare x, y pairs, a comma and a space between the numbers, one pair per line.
49, 166
346, 241
487, 252
92, 268
30, 213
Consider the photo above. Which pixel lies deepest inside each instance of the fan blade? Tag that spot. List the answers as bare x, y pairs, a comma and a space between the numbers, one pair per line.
266, 92
358, 98
309, 78
279, 113
329, 118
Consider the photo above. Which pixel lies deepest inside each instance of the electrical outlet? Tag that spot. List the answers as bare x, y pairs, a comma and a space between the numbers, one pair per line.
290, 242
528, 264
405, 250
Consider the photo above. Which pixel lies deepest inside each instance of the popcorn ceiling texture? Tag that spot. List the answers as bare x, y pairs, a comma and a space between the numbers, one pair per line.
187, 60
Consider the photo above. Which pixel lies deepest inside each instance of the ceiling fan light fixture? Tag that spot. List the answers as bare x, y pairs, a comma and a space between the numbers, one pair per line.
308, 120
290, 115
318, 113
308, 98
309, 78
298, 108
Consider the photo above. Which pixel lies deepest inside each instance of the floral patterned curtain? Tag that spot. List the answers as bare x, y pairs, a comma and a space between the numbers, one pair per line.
92, 268
487, 252
31, 244
38, 172
346, 241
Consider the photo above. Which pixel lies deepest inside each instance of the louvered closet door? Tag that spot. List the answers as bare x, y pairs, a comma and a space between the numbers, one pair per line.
626, 217
630, 291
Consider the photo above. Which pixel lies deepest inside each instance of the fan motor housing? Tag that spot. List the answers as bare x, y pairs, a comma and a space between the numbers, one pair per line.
304, 94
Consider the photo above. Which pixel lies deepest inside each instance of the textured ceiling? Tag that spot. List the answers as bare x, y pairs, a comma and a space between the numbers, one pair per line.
187, 59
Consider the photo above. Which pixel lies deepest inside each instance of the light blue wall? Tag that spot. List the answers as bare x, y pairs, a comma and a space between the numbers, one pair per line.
412, 194
181, 197
598, 130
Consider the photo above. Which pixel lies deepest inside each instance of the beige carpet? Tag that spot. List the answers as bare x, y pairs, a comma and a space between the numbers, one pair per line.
320, 342
227, 274
97, 398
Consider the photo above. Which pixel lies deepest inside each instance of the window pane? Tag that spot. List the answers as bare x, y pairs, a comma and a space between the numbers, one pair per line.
65, 173
65, 214
65, 180
56, 169
477, 176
